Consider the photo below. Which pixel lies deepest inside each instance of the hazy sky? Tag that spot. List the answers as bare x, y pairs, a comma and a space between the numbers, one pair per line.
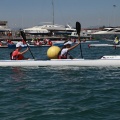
27, 13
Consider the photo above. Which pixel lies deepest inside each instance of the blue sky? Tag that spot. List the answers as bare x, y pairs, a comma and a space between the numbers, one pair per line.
28, 13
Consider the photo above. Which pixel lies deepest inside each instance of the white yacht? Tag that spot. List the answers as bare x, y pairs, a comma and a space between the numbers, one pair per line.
47, 28
83, 35
36, 30
108, 33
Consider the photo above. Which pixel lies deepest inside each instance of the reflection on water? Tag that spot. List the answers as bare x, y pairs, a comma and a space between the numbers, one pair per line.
18, 74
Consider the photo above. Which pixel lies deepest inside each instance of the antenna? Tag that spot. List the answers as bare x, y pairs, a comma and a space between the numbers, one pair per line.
53, 11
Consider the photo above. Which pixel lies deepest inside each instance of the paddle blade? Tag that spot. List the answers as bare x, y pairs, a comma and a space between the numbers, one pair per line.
23, 35
24, 38
78, 28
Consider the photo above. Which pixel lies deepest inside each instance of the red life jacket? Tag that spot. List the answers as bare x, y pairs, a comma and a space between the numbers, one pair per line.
62, 57
16, 55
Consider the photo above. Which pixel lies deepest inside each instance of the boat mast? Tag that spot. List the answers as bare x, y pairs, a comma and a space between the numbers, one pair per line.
53, 11
114, 6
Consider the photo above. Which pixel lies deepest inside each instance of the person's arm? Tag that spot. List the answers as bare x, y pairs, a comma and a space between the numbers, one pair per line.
24, 51
73, 46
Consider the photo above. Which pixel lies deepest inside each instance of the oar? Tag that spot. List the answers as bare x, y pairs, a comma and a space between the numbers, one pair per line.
78, 28
24, 38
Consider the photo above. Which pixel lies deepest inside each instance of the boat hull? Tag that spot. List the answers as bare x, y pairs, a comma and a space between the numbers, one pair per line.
67, 62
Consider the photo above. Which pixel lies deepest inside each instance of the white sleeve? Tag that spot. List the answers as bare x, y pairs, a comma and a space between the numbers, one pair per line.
64, 51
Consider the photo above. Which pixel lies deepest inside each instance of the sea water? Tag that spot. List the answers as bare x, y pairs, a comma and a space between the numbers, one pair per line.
60, 93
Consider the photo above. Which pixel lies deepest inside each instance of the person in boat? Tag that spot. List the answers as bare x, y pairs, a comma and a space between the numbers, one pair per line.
16, 54
64, 53
116, 40
9, 42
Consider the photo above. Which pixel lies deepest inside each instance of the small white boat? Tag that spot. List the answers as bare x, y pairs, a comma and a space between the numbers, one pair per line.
105, 61
106, 31
103, 45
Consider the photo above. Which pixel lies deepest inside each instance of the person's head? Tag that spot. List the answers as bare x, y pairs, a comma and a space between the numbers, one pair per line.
68, 44
19, 45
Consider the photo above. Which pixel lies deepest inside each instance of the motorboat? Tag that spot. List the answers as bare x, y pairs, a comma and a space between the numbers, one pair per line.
55, 27
83, 34
108, 33
48, 27
36, 30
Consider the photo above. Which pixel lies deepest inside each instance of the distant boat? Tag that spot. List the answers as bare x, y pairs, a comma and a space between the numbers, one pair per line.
109, 33
4, 27
83, 34
36, 30
47, 28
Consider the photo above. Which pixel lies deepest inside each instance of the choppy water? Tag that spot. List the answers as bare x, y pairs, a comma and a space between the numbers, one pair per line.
62, 93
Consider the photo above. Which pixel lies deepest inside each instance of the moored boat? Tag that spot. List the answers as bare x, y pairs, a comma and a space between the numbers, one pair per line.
103, 45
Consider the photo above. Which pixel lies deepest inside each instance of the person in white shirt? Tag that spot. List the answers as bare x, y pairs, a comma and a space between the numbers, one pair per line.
64, 53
